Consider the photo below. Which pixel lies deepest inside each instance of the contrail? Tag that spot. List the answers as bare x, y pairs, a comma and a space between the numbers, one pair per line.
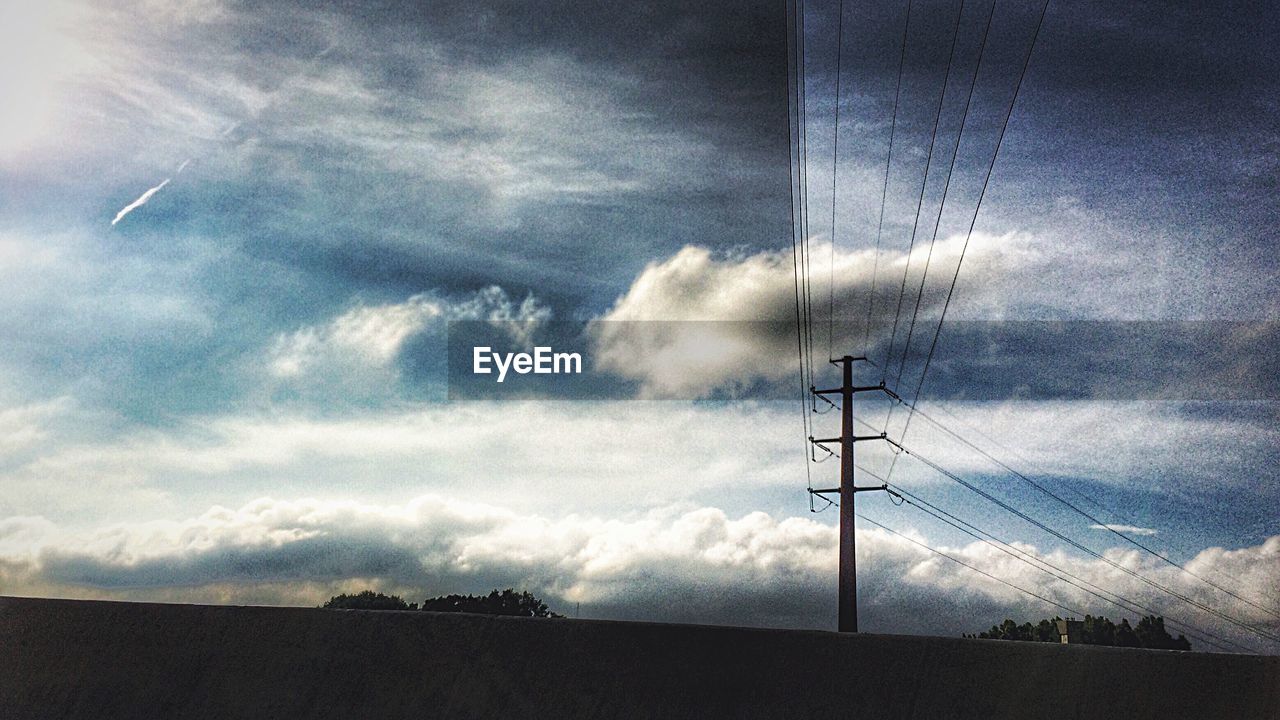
142, 200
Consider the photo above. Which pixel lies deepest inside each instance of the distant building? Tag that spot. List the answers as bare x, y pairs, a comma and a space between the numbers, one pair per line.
1070, 631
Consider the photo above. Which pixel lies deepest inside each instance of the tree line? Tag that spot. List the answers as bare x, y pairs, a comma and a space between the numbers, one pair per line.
1148, 633
505, 602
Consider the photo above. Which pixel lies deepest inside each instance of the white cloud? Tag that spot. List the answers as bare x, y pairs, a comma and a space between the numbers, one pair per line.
695, 284
685, 328
530, 453
26, 426
684, 564
544, 455
361, 344
366, 335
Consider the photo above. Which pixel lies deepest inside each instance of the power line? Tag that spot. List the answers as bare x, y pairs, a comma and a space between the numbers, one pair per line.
1014, 511
924, 181
1055, 533
797, 124
951, 290
909, 496
946, 189
835, 157
884, 191
1117, 514
958, 561
802, 105
1090, 517
1114, 513
1026, 63
1045, 566
802, 261
797, 227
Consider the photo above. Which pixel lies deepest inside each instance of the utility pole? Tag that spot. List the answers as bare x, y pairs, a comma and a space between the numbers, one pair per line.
848, 582
848, 557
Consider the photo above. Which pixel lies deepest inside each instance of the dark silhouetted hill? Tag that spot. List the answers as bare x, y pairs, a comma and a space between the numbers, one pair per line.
105, 660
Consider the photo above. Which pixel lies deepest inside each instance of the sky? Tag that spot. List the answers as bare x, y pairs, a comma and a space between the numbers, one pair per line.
233, 236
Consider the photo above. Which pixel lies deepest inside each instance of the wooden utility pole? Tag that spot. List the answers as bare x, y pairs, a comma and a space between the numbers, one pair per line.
848, 583
848, 557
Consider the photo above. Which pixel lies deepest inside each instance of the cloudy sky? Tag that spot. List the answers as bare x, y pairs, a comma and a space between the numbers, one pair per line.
233, 235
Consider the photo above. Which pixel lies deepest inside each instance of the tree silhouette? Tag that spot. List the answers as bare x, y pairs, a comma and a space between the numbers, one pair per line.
507, 602
1150, 633
1125, 636
368, 600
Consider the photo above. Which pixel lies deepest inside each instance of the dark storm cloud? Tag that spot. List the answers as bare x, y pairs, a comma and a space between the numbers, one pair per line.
309, 559
1146, 130
1173, 105
694, 96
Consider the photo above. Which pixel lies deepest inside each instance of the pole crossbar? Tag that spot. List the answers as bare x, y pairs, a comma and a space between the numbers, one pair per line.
870, 488
854, 390
855, 438
865, 388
